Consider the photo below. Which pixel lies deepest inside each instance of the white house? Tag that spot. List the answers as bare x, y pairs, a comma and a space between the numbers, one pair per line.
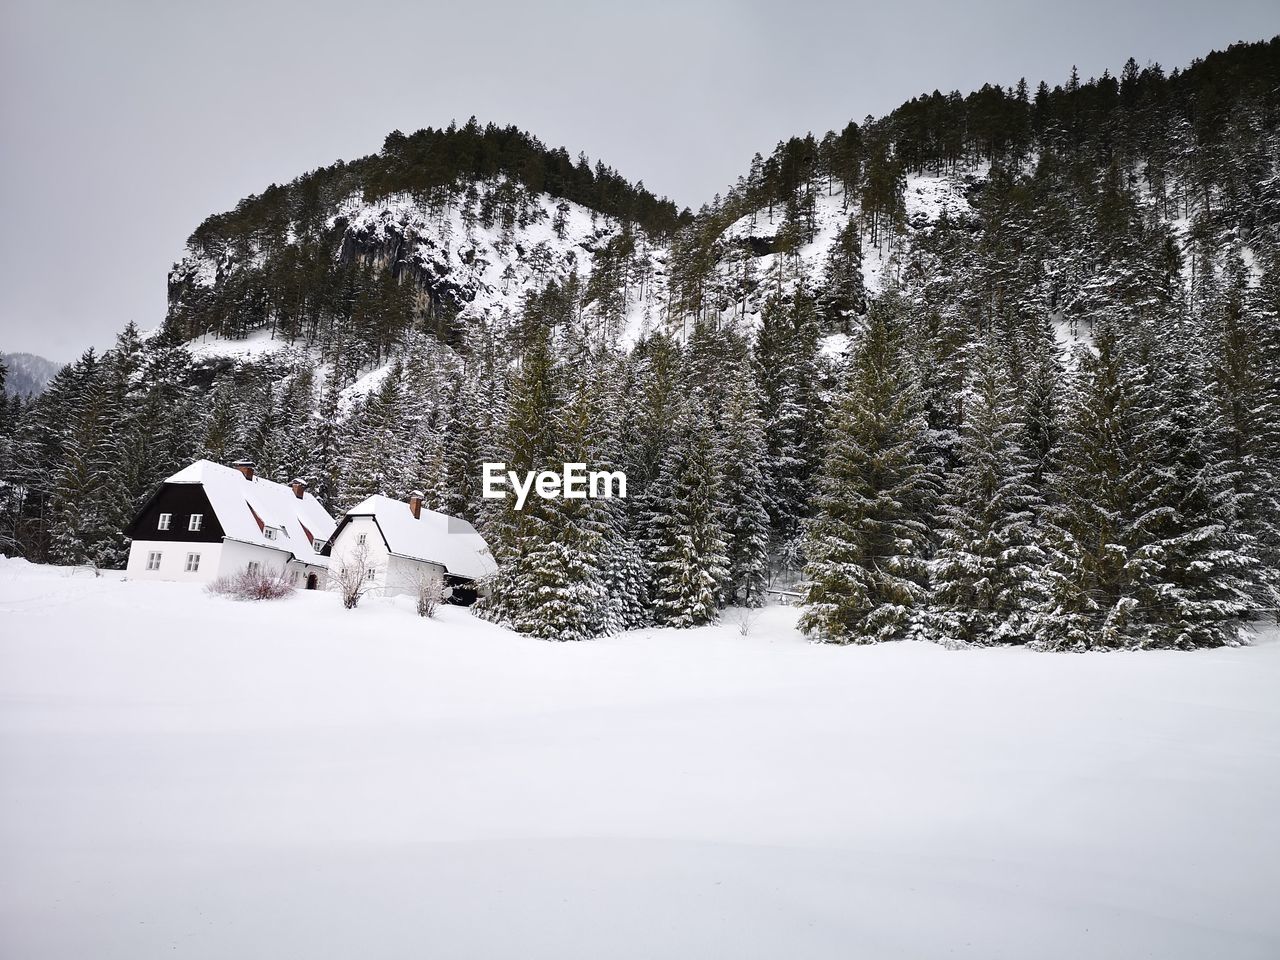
209, 520
401, 545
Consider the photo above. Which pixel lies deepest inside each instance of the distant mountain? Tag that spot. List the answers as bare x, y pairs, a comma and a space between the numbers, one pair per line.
27, 373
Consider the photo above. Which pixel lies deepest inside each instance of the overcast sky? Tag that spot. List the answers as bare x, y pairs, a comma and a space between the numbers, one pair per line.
126, 123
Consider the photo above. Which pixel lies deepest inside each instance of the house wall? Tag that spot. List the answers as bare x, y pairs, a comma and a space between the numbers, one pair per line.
403, 576
180, 501
346, 547
392, 576
173, 560
236, 557
216, 560
297, 573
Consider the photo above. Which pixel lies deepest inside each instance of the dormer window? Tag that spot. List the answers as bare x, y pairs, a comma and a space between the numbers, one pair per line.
317, 545
196, 522
269, 532
165, 518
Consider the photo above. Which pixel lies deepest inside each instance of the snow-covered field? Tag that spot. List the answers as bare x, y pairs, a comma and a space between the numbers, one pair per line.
191, 777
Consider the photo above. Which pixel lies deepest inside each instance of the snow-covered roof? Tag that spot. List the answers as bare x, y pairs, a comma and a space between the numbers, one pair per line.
240, 503
433, 537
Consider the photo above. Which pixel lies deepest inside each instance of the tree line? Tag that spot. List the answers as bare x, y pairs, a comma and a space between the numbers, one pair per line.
1055, 423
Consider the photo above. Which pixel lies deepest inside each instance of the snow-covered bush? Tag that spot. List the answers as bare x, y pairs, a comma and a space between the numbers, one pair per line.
251, 585
429, 591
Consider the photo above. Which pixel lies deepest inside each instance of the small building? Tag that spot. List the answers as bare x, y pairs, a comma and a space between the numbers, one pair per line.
401, 546
209, 520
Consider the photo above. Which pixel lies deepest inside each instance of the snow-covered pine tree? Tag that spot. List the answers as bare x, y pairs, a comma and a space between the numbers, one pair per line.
624, 570
786, 358
687, 542
1200, 569
323, 463
985, 578
562, 566
88, 501
529, 443
842, 301
743, 455
867, 542
1094, 574
549, 583
374, 444
1243, 333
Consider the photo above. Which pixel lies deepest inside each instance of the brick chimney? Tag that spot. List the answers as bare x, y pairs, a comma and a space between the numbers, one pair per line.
298, 486
415, 504
246, 467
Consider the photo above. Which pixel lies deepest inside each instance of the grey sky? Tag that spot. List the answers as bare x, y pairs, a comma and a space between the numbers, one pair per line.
125, 124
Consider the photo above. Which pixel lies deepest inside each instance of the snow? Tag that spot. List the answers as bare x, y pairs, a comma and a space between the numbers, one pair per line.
256, 346
235, 500
432, 536
835, 345
928, 198
202, 778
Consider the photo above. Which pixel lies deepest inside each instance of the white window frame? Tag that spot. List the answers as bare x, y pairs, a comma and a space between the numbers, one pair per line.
193, 563
269, 532
195, 522
371, 573
255, 566
362, 539
153, 560
164, 521
317, 544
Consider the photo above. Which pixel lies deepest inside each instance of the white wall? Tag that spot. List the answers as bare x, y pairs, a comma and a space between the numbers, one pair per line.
403, 576
216, 560
236, 557
297, 573
173, 560
393, 576
347, 545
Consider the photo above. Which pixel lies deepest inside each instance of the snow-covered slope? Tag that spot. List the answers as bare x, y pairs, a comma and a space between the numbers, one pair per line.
201, 778
482, 271
27, 373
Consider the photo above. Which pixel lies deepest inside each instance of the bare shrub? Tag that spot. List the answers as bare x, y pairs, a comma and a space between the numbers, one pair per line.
429, 592
351, 577
251, 585
744, 618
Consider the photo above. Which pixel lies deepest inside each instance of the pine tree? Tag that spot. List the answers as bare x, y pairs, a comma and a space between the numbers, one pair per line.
786, 357
742, 454
548, 583
1095, 569
867, 542
985, 577
688, 545
843, 298
375, 444
1243, 332
1200, 568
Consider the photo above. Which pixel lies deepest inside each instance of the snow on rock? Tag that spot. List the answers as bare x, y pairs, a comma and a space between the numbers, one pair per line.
255, 346
929, 199
836, 345
195, 777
